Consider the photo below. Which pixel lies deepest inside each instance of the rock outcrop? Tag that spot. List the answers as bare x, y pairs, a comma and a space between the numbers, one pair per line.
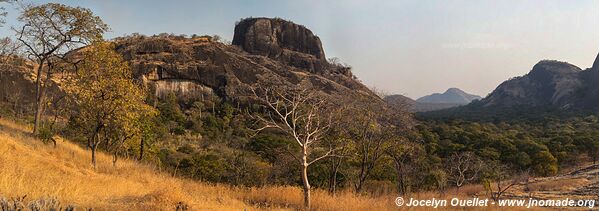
285, 41
271, 50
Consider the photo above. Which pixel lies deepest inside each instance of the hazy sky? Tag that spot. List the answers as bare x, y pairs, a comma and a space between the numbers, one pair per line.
408, 47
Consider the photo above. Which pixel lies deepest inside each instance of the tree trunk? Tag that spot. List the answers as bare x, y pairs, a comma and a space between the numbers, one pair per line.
401, 185
114, 159
363, 174
361, 180
38, 111
39, 97
94, 147
306, 182
335, 163
141, 150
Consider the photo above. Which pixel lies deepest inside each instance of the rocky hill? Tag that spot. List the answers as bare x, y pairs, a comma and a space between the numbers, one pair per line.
263, 49
554, 84
451, 96
550, 88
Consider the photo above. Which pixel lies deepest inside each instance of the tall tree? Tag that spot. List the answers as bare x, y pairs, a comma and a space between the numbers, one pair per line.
372, 128
110, 107
48, 33
303, 115
404, 155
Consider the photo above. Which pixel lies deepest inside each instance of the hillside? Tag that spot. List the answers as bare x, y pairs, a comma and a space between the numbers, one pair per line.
68, 180
41, 173
263, 51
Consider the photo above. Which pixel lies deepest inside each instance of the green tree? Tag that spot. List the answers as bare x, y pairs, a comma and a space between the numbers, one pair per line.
171, 114
109, 105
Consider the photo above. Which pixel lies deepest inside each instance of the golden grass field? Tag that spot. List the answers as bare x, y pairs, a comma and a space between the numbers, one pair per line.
36, 170
39, 171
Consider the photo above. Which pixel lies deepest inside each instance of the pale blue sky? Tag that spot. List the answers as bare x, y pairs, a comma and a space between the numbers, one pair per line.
409, 47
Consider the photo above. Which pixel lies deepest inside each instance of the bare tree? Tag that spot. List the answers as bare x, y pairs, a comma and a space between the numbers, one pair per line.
303, 115
48, 33
504, 179
463, 167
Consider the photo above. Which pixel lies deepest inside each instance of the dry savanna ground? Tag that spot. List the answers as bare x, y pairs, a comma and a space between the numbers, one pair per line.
39, 171
31, 169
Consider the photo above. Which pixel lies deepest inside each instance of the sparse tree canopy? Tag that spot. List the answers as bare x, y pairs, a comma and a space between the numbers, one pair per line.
48, 33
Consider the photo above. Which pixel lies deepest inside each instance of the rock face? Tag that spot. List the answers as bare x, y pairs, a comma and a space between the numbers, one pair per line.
270, 51
281, 40
591, 78
451, 96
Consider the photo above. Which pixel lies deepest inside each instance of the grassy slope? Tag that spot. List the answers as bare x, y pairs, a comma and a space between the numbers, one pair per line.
28, 167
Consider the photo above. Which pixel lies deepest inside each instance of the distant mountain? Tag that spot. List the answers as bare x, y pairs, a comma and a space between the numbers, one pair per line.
451, 96
398, 100
550, 88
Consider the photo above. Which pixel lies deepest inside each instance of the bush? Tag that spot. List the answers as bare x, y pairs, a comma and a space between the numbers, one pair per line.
46, 133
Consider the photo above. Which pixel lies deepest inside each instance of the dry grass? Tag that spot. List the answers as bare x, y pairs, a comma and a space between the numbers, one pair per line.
36, 170
39, 171
558, 185
287, 196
